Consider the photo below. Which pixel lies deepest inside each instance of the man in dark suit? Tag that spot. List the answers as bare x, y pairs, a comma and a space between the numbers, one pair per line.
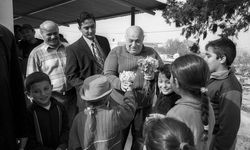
86, 56
13, 108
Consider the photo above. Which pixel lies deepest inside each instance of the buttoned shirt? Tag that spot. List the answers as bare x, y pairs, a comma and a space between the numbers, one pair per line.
51, 61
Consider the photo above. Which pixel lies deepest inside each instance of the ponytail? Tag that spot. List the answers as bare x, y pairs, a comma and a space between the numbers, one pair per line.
91, 122
204, 113
91, 112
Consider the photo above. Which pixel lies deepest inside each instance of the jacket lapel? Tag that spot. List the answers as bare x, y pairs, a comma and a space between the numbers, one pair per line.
84, 47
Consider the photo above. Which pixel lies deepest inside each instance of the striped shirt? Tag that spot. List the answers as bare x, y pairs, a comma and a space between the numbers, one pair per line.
51, 61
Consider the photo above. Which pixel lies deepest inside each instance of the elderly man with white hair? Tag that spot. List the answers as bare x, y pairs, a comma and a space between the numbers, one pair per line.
125, 58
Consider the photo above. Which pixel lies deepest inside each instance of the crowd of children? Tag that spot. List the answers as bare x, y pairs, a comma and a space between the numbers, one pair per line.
197, 106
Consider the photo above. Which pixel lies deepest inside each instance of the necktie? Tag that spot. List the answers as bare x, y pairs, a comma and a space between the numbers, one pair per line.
97, 54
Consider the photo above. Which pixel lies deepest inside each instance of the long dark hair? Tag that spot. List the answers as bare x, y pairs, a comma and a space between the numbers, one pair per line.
192, 73
167, 134
165, 69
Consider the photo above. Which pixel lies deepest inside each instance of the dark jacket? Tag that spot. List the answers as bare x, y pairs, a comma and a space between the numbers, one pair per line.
81, 63
226, 96
12, 108
165, 102
80, 60
48, 128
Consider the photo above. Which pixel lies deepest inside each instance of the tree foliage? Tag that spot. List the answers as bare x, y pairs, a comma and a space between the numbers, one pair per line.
198, 17
173, 46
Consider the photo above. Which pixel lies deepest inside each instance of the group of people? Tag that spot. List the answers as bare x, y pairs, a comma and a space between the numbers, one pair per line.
79, 102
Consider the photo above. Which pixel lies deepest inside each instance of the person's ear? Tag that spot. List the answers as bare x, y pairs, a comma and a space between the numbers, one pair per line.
176, 83
223, 60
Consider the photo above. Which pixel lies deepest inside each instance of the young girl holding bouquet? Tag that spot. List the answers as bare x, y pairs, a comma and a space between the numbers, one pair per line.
165, 96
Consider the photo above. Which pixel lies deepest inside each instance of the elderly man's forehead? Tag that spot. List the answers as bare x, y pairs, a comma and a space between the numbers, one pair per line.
134, 30
134, 33
49, 25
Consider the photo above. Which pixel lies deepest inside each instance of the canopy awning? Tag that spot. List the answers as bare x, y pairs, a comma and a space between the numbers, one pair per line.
64, 12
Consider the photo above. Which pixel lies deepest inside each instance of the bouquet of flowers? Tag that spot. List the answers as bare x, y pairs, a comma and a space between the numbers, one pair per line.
127, 76
148, 65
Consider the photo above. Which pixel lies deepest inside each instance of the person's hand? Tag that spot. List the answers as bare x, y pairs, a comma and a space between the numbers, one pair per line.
59, 148
130, 86
126, 85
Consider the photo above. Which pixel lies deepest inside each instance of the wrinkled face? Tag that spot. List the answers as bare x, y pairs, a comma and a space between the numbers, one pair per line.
40, 92
211, 58
28, 34
51, 36
134, 42
88, 28
164, 84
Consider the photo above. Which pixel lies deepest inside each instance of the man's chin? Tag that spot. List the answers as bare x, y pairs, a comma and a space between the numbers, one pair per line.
91, 37
134, 52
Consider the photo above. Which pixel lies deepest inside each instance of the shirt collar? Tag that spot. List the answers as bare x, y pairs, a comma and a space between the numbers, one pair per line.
88, 41
222, 74
62, 44
190, 102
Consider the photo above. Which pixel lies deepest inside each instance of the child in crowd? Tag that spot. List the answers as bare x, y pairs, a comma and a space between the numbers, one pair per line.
99, 126
166, 97
48, 122
225, 93
189, 76
167, 134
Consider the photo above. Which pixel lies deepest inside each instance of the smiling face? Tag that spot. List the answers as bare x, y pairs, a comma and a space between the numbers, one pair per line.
40, 92
134, 40
88, 28
164, 84
50, 33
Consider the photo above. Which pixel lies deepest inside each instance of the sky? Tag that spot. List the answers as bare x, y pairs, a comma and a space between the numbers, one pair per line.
155, 28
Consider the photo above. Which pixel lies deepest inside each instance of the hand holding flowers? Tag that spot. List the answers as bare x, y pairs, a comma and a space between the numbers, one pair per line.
148, 67
127, 79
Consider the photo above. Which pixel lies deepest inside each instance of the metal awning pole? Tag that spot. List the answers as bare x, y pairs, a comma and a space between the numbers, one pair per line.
132, 16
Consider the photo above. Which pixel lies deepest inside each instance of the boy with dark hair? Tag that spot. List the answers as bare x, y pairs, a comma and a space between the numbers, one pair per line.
48, 122
225, 93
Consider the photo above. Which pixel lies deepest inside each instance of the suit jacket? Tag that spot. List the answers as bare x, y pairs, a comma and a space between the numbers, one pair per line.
13, 107
80, 62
